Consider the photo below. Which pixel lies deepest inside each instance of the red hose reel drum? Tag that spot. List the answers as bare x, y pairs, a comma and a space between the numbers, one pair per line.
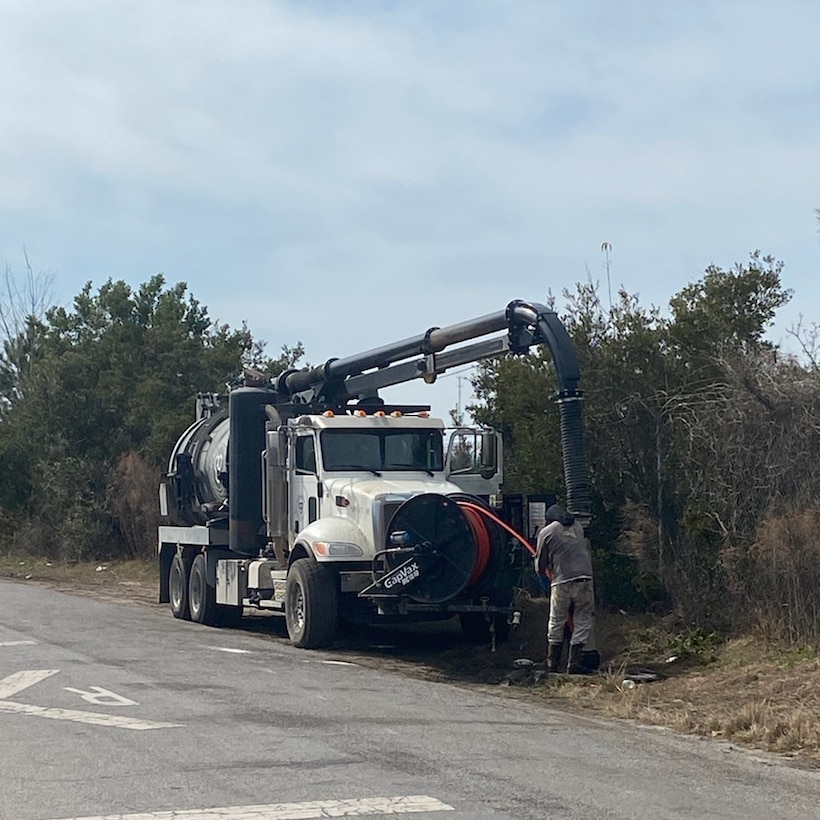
454, 531
481, 534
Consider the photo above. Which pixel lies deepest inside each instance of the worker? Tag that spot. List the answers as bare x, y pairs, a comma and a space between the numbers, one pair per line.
563, 554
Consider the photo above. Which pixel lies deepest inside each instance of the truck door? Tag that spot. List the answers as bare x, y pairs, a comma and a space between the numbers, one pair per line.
306, 489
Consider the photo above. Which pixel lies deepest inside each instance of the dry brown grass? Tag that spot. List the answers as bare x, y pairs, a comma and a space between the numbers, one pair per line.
785, 561
132, 490
126, 580
767, 700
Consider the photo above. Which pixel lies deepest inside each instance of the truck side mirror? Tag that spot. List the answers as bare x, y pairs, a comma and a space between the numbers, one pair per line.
489, 454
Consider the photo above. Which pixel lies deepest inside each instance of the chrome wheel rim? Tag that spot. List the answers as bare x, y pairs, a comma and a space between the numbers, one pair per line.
176, 587
298, 606
196, 592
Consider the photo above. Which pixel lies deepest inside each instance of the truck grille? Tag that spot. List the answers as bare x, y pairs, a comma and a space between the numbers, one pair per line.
384, 512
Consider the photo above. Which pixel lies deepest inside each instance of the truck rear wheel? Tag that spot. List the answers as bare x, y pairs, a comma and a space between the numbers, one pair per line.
178, 588
311, 604
201, 597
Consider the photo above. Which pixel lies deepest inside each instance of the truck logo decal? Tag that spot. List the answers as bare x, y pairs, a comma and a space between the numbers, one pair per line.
403, 576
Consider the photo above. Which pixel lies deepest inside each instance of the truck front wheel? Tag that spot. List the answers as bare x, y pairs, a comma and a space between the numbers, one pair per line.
311, 604
178, 588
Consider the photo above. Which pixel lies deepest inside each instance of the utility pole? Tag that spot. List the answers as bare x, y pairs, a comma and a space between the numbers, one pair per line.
458, 404
606, 247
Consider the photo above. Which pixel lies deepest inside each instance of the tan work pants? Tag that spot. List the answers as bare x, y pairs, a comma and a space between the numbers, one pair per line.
581, 593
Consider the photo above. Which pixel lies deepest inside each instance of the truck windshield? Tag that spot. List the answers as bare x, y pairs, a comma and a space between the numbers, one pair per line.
382, 450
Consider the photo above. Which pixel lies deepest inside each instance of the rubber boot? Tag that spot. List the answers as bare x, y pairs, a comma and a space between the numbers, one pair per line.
576, 665
554, 657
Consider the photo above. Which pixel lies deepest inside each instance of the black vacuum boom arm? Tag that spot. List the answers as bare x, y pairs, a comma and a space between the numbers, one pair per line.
526, 324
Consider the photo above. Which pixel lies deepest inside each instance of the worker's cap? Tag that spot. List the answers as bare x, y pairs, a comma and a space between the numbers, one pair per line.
555, 512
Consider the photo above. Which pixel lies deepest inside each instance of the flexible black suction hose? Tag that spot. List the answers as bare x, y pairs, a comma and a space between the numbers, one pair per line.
572, 447
552, 332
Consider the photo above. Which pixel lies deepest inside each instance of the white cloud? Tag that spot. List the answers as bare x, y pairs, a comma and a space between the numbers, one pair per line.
348, 174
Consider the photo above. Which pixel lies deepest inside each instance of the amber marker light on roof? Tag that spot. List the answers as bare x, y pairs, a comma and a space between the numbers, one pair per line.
328, 414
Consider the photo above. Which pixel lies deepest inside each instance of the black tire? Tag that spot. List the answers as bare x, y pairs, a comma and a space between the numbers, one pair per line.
311, 604
178, 588
201, 597
476, 628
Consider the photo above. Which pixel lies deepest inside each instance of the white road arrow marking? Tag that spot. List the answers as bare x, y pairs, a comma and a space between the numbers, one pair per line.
314, 810
19, 681
75, 715
101, 697
18, 643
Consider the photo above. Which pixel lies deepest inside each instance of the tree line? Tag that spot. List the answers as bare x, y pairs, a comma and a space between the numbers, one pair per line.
703, 444
92, 399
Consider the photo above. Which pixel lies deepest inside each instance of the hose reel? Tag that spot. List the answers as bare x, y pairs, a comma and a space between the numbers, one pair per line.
436, 547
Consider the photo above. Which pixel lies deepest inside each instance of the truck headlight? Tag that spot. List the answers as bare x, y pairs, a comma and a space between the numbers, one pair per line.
337, 549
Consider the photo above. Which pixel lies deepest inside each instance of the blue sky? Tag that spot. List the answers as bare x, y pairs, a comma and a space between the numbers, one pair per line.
351, 173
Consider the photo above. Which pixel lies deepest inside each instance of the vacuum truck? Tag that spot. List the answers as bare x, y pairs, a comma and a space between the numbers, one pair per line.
308, 495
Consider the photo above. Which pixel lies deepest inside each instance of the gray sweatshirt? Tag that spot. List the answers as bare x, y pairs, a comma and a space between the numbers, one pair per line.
563, 550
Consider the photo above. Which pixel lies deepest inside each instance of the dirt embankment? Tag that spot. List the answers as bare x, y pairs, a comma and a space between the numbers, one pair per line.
740, 691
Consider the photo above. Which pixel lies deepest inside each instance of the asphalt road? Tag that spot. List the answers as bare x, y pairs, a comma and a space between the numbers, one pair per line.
122, 711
